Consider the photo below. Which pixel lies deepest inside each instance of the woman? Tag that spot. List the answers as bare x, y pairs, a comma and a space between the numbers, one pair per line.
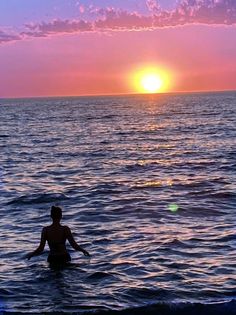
56, 236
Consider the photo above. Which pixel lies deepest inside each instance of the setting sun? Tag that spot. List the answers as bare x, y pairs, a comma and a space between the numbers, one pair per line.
151, 83
151, 80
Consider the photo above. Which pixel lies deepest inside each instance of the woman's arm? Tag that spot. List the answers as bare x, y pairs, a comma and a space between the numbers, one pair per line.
40, 248
73, 243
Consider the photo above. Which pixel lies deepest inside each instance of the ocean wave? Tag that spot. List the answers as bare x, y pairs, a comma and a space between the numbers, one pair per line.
221, 308
178, 243
99, 275
199, 211
209, 193
223, 195
141, 166
226, 238
228, 167
37, 199
106, 188
4, 136
146, 293
165, 308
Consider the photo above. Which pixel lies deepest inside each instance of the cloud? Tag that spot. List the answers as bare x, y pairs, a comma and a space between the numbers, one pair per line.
153, 5
219, 12
6, 37
80, 6
122, 20
209, 12
59, 26
222, 12
82, 9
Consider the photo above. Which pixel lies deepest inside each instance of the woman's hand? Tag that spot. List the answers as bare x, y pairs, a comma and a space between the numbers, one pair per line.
85, 253
28, 256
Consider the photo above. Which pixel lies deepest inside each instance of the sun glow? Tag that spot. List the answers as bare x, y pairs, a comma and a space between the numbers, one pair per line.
151, 83
151, 80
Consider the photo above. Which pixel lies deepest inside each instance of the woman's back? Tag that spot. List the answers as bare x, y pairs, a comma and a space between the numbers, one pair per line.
56, 237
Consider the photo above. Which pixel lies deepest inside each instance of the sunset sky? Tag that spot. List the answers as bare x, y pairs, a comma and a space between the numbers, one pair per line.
70, 47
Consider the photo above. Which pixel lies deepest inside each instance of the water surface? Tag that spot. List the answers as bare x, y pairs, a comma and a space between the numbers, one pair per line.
147, 184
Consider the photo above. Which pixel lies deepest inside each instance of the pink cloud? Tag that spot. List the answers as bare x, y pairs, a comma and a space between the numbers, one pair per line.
209, 12
82, 9
152, 5
122, 20
222, 12
60, 26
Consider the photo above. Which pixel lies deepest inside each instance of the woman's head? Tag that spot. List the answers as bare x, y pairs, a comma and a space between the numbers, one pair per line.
56, 213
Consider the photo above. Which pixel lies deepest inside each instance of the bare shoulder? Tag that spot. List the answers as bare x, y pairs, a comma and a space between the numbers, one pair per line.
45, 228
44, 232
66, 229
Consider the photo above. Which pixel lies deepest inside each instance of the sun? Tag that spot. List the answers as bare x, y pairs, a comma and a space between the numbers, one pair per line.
151, 82
150, 79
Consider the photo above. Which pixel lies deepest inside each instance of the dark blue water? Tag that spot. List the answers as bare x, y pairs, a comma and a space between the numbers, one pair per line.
147, 184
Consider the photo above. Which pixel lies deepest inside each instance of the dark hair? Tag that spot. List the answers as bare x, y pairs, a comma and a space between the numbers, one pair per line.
56, 213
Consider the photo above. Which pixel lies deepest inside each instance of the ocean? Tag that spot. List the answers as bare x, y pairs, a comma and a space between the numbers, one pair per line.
147, 184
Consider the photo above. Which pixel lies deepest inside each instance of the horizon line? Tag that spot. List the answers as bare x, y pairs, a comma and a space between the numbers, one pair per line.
119, 94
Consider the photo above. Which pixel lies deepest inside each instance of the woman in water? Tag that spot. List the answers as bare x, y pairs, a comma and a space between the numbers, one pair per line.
56, 236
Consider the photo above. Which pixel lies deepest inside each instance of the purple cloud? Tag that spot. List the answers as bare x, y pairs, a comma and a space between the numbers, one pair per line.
122, 20
221, 12
209, 12
153, 5
6, 37
59, 26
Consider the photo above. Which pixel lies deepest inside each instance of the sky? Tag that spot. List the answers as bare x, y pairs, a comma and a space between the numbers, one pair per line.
71, 47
